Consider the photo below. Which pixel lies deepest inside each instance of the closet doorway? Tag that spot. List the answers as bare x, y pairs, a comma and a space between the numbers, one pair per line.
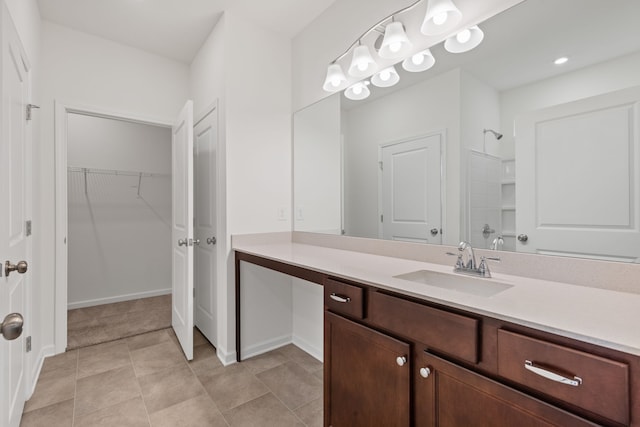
119, 228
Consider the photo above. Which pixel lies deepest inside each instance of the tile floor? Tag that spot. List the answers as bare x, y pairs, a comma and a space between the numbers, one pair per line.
108, 322
145, 381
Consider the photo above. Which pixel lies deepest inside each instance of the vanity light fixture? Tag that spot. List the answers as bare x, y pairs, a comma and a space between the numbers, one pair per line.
362, 64
442, 16
335, 80
465, 40
395, 44
358, 91
561, 60
420, 61
386, 78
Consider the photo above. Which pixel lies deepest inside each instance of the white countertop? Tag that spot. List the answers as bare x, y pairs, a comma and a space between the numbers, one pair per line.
598, 316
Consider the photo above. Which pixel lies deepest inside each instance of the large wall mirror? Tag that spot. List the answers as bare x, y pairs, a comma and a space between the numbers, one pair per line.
498, 146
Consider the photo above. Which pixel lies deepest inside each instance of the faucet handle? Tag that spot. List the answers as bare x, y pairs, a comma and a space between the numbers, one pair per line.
491, 258
483, 268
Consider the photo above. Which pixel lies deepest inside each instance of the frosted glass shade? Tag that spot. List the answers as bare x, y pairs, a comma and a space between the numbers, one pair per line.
362, 64
358, 91
465, 40
335, 80
395, 44
386, 78
442, 16
418, 62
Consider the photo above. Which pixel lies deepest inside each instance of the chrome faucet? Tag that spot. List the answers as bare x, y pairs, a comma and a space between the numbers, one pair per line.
471, 267
471, 257
497, 243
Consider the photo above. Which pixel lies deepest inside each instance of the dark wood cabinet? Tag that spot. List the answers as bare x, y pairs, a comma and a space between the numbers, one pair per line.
447, 395
367, 376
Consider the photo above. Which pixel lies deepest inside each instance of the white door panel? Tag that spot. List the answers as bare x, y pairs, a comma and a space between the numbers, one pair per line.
578, 187
411, 190
205, 152
14, 245
182, 229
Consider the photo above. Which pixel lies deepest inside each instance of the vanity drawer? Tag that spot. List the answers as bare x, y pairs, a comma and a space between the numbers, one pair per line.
343, 298
597, 384
439, 330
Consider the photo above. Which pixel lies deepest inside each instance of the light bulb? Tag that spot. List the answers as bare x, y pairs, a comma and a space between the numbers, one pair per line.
357, 89
335, 82
440, 18
463, 36
395, 47
385, 75
561, 60
362, 66
417, 59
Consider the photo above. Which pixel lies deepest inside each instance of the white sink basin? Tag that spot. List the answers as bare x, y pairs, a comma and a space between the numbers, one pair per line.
467, 284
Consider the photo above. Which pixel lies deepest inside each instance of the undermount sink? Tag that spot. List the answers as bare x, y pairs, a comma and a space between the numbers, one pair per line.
469, 285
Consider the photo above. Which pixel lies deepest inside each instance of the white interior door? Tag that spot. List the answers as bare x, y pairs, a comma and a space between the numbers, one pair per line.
578, 180
411, 190
205, 152
14, 246
182, 228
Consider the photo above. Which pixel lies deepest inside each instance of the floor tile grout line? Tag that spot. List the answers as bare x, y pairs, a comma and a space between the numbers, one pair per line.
135, 375
75, 388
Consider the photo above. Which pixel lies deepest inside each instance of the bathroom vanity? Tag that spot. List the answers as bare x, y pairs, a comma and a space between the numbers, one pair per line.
404, 352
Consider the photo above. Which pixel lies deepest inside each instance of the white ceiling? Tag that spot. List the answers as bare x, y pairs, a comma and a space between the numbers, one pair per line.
175, 28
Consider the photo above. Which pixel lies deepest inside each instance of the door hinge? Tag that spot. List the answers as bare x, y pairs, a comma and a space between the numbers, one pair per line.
30, 108
28, 227
381, 218
381, 166
28, 344
194, 292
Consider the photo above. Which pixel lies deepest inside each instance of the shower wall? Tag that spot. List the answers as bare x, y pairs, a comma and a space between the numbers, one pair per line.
119, 231
484, 198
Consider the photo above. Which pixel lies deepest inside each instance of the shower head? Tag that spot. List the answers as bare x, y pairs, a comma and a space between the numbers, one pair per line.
496, 134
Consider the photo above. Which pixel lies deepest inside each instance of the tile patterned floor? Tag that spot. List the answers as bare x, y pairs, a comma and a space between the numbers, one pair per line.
145, 381
108, 322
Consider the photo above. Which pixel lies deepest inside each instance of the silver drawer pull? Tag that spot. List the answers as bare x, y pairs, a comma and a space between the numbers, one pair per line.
339, 298
529, 365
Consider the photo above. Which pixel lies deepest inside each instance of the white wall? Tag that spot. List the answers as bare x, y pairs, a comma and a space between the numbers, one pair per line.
119, 235
247, 69
317, 167
429, 106
81, 69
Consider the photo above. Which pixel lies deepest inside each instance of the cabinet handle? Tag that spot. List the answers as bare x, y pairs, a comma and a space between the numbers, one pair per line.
530, 366
425, 372
401, 360
339, 298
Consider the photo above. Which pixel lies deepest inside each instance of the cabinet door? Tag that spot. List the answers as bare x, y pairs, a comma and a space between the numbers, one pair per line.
364, 383
453, 396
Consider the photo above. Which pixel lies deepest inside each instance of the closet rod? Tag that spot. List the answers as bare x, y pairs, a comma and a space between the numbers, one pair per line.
115, 172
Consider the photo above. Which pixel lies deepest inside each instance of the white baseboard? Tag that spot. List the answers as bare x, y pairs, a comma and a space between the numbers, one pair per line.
117, 298
227, 358
265, 346
313, 350
45, 352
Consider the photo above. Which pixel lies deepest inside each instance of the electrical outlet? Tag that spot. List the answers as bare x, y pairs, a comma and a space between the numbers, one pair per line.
299, 216
282, 214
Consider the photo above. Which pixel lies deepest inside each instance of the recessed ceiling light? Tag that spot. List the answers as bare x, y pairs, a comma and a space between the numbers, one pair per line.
561, 60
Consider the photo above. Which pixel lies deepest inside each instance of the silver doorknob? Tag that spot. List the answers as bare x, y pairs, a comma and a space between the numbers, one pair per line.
11, 327
211, 241
425, 372
20, 267
434, 231
401, 360
523, 238
182, 242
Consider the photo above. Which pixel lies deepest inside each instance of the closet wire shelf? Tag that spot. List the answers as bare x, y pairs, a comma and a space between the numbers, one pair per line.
140, 175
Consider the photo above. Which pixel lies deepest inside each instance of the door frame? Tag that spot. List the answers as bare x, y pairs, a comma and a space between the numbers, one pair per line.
61, 111
443, 175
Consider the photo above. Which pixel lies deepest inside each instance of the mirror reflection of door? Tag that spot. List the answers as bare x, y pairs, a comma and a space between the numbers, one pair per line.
410, 190
577, 181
